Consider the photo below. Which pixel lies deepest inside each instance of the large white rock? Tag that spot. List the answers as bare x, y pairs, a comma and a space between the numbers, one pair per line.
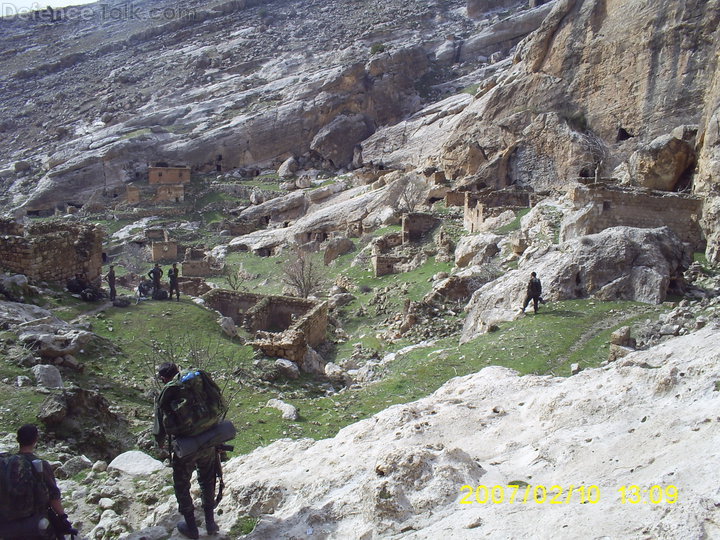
476, 249
136, 463
48, 376
401, 472
619, 263
289, 412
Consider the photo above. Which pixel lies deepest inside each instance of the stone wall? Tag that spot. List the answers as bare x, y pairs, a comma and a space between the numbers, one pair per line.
170, 193
200, 268
132, 194
385, 264
11, 227
285, 325
164, 251
168, 175
478, 204
51, 251
599, 207
455, 198
386, 242
415, 225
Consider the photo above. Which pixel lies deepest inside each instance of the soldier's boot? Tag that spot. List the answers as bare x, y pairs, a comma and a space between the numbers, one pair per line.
210, 525
189, 526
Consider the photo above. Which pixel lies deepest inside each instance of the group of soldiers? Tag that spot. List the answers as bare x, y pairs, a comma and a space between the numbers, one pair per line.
151, 288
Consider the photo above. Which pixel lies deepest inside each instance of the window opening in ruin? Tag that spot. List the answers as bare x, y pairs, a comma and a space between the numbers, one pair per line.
606, 205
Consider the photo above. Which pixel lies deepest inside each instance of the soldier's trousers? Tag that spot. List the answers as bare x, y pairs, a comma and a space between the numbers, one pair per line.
204, 461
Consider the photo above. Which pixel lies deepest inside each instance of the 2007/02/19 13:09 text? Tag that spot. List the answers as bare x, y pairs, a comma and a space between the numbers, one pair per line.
555, 494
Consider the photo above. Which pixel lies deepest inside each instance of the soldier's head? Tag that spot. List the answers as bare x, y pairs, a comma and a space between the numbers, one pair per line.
174, 265
27, 435
167, 371
533, 274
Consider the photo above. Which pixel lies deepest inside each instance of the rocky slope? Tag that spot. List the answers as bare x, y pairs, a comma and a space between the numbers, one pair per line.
401, 473
631, 423
109, 91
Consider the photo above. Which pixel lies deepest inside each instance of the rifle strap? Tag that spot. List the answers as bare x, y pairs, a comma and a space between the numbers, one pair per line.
219, 475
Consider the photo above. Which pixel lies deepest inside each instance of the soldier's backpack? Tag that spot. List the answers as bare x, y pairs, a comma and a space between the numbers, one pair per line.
24, 497
191, 404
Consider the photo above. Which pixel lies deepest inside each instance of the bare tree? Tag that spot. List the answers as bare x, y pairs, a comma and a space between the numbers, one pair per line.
233, 276
303, 273
134, 257
411, 195
206, 354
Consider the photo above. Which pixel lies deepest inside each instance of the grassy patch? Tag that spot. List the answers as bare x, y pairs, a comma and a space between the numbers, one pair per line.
244, 525
472, 89
514, 225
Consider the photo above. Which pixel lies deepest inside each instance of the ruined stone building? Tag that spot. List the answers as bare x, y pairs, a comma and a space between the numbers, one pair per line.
197, 263
415, 225
490, 202
600, 206
284, 326
162, 247
165, 184
52, 251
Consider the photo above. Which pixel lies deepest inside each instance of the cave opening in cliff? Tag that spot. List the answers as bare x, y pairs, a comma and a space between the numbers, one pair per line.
623, 135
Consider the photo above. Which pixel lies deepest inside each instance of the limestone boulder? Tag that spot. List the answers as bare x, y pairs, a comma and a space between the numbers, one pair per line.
227, 324
13, 313
288, 168
48, 376
476, 249
289, 412
461, 285
336, 141
75, 465
287, 368
661, 163
335, 247
135, 463
619, 263
53, 342
313, 362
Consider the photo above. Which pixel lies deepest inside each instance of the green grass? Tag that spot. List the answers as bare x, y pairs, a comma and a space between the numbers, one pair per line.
244, 525
472, 89
515, 224
136, 133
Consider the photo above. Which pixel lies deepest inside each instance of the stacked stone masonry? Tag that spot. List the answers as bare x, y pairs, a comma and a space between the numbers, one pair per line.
481, 205
611, 206
415, 225
285, 326
51, 251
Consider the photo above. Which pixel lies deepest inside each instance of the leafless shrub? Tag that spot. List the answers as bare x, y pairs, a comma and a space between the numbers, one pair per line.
303, 273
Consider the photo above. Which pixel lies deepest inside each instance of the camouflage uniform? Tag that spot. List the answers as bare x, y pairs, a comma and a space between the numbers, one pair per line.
203, 460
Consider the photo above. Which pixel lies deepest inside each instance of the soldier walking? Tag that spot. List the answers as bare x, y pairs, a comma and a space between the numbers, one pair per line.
204, 460
534, 291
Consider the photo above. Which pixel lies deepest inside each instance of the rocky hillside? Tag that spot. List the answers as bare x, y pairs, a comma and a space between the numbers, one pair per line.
319, 126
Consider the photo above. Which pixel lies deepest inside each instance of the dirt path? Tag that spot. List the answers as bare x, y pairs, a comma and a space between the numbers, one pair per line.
594, 330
